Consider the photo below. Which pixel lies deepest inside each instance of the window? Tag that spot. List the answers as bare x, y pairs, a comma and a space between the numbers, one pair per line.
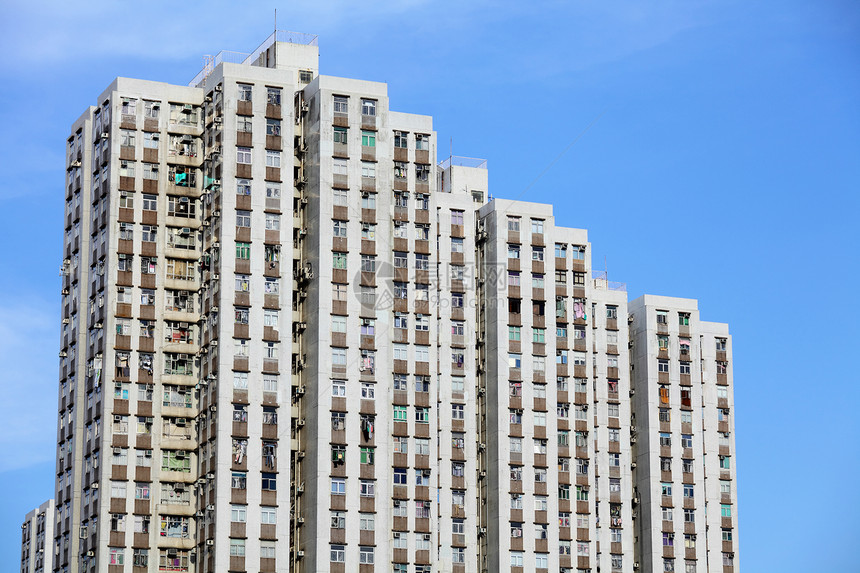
685, 368
367, 488
686, 441
517, 558
338, 323
684, 318
422, 415
244, 124
458, 412
368, 456
340, 166
273, 159
273, 222
368, 169
341, 105
422, 142
422, 446
663, 366
662, 317
243, 155
273, 127
340, 197
665, 439
368, 138
368, 107
338, 554
456, 245
338, 486
341, 135
338, 260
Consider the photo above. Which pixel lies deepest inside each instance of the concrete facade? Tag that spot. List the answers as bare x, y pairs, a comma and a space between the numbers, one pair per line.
293, 340
685, 471
37, 535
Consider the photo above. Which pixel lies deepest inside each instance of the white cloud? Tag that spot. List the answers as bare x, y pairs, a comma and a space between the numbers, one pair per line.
28, 378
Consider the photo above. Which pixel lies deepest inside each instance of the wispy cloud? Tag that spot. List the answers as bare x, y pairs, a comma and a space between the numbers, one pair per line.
28, 377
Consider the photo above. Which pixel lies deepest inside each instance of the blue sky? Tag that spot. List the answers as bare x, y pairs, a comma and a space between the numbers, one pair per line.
723, 165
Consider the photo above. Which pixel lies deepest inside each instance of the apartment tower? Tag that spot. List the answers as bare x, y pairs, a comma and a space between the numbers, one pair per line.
294, 341
685, 475
37, 536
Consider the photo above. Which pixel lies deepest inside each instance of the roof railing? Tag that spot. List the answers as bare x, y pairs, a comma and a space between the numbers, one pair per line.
459, 161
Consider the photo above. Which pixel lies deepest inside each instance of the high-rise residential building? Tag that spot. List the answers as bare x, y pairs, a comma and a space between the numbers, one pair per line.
37, 537
553, 398
685, 470
294, 341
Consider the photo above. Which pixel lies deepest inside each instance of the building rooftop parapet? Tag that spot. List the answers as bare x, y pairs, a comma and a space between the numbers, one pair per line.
601, 282
211, 62
463, 162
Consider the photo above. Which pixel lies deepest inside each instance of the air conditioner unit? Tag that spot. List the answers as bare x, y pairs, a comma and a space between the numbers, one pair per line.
63, 354
64, 291
632, 439
91, 553
83, 532
95, 485
199, 514
636, 565
98, 325
301, 454
481, 391
185, 231
180, 455
214, 309
216, 213
117, 451
301, 325
218, 119
216, 245
303, 232
304, 201
301, 519
482, 446
181, 421
207, 99
213, 408
300, 488
206, 223
300, 391
210, 507
635, 500
210, 475
482, 474
633, 465
300, 553
210, 542
215, 342
300, 422
76, 164
482, 531
305, 107
215, 276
